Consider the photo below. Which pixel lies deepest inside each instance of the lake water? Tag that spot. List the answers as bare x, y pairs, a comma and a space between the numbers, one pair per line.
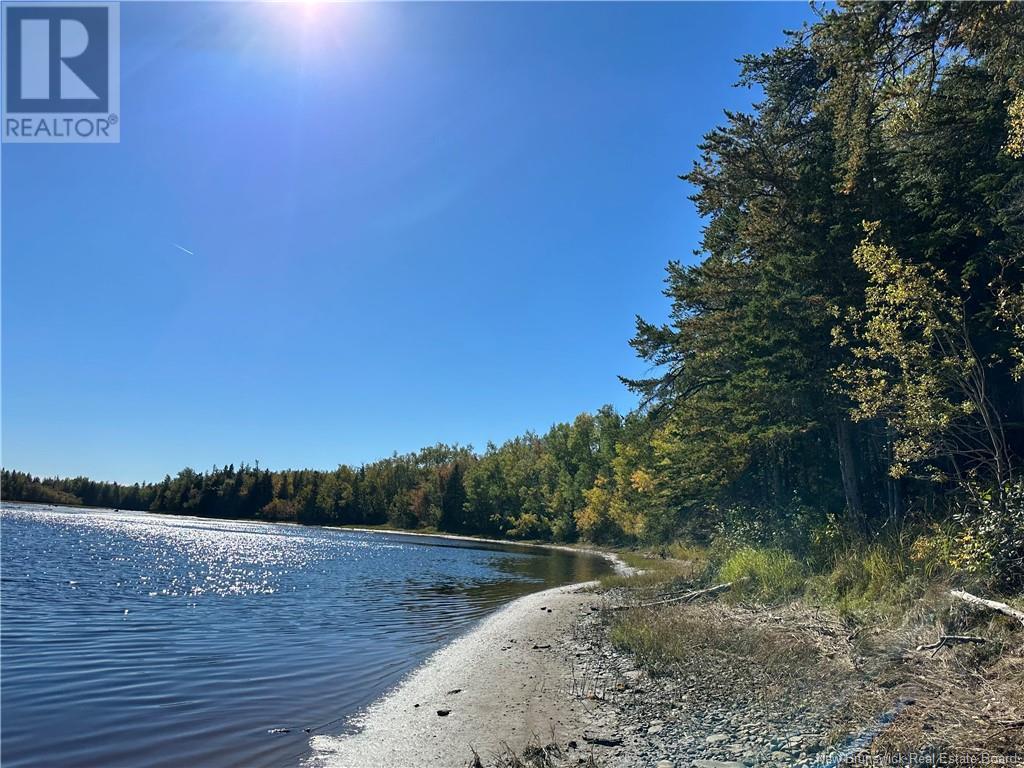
132, 639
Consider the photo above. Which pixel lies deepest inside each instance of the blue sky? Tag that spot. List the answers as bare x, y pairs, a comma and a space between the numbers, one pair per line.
408, 224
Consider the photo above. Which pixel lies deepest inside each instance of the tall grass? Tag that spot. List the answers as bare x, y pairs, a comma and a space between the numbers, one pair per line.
878, 579
768, 575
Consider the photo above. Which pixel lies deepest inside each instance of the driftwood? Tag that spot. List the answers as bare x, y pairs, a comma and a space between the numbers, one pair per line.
686, 597
1002, 608
945, 640
689, 597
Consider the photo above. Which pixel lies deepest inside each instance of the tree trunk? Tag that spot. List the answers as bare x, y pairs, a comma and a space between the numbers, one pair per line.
895, 488
848, 470
776, 478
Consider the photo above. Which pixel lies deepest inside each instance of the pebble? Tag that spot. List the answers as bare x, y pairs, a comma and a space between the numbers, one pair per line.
697, 717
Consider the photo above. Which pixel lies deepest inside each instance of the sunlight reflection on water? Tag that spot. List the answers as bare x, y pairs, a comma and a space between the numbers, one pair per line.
132, 639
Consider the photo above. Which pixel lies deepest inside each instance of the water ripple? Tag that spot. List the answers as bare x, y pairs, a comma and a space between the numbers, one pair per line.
134, 639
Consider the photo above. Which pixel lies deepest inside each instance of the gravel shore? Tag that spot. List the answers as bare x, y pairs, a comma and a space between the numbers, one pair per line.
717, 710
542, 680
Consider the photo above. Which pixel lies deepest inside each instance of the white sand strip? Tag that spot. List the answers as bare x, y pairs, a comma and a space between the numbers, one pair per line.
509, 692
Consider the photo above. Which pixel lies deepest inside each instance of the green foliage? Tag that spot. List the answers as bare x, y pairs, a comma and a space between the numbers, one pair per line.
790, 527
806, 367
1014, 146
935, 551
25, 487
915, 365
531, 487
888, 60
663, 568
990, 534
278, 509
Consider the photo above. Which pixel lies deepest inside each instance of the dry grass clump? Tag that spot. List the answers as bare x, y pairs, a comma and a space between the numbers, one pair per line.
771, 666
968, 699
536, 754
664, 638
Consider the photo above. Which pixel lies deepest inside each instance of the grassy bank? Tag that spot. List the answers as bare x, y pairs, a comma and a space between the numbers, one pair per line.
848, 628
862, 583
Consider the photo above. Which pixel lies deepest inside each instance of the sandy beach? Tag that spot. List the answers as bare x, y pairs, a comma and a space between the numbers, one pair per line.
508, 681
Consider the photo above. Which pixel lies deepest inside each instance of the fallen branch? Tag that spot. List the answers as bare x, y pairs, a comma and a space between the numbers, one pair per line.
945, 640
1002, 608
690, 596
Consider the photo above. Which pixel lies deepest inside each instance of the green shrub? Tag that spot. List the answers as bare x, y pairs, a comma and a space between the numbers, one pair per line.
934, 551
991, 539
690, 553
786, 528
765, 574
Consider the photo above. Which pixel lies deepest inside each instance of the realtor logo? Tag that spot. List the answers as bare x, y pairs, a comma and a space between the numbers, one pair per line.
61, 72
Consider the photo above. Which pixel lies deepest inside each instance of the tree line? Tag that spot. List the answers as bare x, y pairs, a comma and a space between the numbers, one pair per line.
846, 359
533, 486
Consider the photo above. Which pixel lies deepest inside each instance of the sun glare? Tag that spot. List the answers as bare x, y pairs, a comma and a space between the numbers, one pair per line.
309, 25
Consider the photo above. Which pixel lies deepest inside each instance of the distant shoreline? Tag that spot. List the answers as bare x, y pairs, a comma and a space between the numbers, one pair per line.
617, 562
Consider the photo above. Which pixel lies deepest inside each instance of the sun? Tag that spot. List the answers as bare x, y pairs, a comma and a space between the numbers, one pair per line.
307, 24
